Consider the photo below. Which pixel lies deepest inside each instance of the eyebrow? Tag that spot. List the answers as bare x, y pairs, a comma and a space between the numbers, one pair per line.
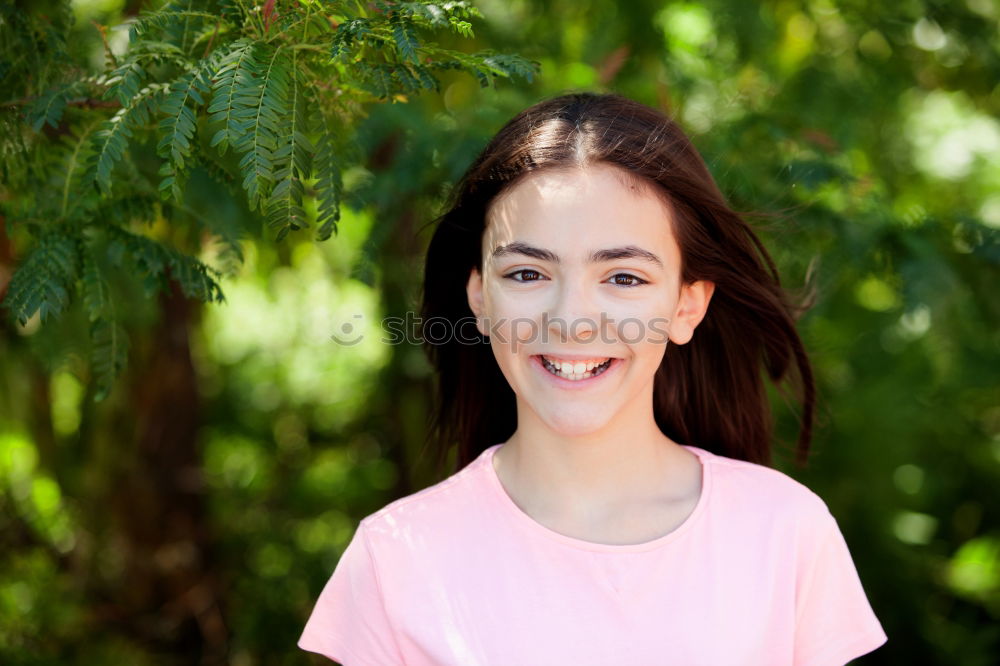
609, 254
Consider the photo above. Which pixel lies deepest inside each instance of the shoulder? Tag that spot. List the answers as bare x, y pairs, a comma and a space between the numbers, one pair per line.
449, 502
764, 490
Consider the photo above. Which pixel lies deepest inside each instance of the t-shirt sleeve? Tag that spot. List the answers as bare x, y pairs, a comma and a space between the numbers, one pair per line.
834, 621
349, 623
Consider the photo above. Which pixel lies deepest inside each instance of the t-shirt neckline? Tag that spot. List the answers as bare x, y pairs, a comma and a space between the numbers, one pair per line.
534, 527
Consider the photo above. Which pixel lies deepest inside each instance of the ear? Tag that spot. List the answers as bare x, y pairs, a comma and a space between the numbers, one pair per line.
474, 292
691, 309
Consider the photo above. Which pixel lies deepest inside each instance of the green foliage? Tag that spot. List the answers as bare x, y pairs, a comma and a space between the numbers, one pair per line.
293, 153
47, 108
329, 184
46, 277
111, 141
196, 80
867, 125
33, 51
109, 354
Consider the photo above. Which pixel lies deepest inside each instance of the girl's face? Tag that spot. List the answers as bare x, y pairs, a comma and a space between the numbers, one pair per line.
580, 294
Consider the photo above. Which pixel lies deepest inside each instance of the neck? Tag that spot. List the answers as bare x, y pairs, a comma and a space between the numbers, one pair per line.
627, 462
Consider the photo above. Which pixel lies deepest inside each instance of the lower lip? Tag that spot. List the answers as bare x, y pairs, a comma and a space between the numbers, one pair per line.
562, 382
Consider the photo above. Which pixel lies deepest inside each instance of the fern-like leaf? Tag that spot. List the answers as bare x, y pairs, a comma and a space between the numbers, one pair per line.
47, 108
377, 78
166, 19
157, 263
291, 158
135, 206
45, 279
111, 141
484, 65
124, 82
403, 34
74, 159
451, 15
356, 30
178, 127
258, 114
197, 280
327, 167
509, 66
96, 294
109, 347
235, 77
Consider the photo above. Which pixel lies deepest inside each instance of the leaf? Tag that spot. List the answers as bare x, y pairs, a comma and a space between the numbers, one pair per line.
446, 14
125, 81
96, 295
327, 167
42, 283
402, 33
464, 28
484, 65
235, 76
165, 19
47, 108
157, 263
259, 111
179, 125
111, 141
284, 208
508, 66
349, 32
74, 159
109, 345
139, 206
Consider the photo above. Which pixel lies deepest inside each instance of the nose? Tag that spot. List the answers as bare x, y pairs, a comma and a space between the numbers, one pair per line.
573, 315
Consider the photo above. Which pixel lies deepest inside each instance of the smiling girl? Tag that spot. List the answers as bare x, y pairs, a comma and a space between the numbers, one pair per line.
613, 502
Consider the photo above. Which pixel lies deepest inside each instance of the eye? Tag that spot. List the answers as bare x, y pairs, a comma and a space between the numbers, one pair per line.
626, 280
527, 275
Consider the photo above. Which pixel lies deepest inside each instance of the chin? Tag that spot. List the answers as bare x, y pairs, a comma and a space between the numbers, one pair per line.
574, 424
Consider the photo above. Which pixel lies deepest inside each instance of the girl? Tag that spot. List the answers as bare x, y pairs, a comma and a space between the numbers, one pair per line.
601, 377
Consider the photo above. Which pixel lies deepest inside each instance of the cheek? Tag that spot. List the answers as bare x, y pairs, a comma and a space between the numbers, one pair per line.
639, 321
515, 316
509, 356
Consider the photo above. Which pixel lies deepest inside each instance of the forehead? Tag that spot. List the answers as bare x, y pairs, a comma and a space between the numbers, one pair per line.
579, 209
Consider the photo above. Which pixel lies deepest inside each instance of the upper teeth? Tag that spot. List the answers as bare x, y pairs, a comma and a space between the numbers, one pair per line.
575, 367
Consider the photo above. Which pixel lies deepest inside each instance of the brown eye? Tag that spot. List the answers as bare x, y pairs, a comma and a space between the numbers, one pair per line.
626, 280
527, 275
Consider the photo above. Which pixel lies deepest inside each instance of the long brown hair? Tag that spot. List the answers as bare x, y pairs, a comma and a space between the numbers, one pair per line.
709, 392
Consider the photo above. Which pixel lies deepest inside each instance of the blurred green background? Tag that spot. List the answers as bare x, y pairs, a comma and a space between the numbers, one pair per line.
869, 128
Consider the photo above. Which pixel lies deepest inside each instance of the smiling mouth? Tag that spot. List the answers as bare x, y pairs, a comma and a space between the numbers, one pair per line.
576, 370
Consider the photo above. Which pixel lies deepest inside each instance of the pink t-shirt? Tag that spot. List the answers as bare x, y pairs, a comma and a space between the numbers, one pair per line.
458, 575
